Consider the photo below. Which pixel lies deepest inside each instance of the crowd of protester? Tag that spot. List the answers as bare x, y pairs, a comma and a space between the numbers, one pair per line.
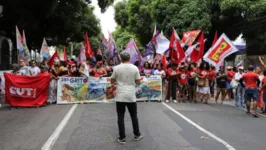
184, 82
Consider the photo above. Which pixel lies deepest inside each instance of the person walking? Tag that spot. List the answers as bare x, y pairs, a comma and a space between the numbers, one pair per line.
252, 83
240, 90
125, 76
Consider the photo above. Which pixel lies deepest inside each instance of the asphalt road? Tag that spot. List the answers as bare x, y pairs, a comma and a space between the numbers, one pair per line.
94, 127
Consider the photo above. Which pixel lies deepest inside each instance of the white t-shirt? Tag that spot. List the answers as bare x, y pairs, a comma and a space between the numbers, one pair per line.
35, 70
24, 70
125, 76
157, 72
238, 76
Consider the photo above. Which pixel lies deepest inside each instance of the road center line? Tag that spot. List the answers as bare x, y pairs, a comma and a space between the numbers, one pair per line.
52, 139
228, 146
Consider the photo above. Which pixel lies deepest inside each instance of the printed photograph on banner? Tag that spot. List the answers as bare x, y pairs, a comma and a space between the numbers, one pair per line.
149, 89
82, 90
96, 90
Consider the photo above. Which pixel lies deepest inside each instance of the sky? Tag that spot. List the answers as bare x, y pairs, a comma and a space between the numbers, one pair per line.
106, 19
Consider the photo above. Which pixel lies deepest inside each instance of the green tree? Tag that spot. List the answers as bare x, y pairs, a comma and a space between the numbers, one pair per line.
60, 21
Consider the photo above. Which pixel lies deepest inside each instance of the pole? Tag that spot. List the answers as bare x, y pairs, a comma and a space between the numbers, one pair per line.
71, 49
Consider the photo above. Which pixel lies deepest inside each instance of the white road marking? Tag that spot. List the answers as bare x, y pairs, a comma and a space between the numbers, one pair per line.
228, 146
50, 142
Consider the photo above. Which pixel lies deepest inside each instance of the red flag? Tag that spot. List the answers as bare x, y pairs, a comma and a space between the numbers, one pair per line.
172, 48
26, 91
51, 60
164, 62
65, 54
215, 38
89, 53
180, 51
198, 52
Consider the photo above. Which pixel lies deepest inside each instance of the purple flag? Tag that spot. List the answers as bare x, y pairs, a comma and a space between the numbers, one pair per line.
134, 52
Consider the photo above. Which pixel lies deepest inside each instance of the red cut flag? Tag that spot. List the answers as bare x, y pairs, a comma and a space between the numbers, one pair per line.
51, 60
215, 38
65, 54
89, 53
26, 91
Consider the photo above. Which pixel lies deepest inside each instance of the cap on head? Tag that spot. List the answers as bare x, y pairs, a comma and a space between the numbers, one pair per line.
125, 56
241, 68
229, 67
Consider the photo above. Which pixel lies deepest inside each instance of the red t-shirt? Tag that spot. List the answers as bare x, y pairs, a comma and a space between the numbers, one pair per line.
170, 72
250, 79
212, 75
264, 81
230, 75
203, 73
191, 73
182, 76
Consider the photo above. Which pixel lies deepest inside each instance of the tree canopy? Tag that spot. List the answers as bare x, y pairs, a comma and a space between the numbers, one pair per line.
231, 17
60, 21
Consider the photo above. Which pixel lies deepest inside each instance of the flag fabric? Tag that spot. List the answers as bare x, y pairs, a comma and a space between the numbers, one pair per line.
64, 54
154, 31
180, 52
104, 43
198, 51
190, 36
133, 50
215, 38
172, 48
26, 50
220, 50
150, 50
82, 55
162, 43
164, 62
176, 52
88, 51
202, 43
19, 40
51, 60
157, 59
44, 50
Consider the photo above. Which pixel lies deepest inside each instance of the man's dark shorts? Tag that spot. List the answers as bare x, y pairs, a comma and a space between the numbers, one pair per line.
251, 94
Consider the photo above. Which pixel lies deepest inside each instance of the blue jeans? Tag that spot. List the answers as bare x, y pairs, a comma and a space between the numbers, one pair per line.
251, 94
239, 95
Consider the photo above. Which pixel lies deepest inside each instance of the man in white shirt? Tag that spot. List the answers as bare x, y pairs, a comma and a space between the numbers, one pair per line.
34, 70
240, 90
24, 69
125, 76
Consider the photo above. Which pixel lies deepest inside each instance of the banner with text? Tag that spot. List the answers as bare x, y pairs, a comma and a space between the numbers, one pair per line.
26, 90
98, 90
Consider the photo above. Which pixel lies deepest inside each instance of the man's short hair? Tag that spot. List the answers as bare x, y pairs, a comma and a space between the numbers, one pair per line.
250, 68
125, 56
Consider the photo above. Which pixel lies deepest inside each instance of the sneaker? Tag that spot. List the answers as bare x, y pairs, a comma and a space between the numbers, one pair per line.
255, 115
175, 101
121, 141
167, 101
236, 105
137, 138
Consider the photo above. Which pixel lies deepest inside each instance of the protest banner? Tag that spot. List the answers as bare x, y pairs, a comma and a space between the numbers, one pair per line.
98, 90
26, 91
